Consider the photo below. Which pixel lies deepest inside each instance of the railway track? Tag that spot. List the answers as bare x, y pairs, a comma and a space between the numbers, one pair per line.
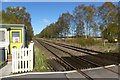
54, 63
95, 59
65, 61
74, 61
101, 55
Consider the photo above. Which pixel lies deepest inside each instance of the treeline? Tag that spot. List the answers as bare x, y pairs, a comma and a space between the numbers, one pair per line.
86, 21
17, 15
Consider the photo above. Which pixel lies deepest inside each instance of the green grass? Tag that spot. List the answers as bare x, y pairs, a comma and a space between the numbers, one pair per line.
2, 62
40, 61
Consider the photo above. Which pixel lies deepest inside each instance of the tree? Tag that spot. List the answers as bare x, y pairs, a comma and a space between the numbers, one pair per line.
107, 14
18, 15
87, 20
79, 20
111, 32
95, 29
0, 17
64, 24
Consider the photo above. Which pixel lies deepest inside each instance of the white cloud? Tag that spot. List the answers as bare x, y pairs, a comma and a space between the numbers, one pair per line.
45, 21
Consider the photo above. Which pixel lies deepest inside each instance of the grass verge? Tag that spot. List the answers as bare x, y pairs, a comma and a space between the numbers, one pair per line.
40, 61
2, 64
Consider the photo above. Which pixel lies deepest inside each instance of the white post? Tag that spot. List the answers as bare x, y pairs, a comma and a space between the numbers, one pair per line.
17, 60
31, 55
5, 54
14, 52
13, 55
28, 60
22, 59
25, 56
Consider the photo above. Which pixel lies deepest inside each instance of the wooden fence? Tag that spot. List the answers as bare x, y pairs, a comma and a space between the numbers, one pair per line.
22, 59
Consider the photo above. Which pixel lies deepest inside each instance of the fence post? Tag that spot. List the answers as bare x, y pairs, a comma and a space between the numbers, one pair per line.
14, 52
31, 55
5, 54
17, 52
19, 61
22, 60
26, 50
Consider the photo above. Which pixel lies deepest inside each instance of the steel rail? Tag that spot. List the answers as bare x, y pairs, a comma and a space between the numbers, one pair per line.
85, 75
85, 59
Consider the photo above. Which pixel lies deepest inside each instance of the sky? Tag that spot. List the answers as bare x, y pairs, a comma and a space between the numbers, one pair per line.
45, 13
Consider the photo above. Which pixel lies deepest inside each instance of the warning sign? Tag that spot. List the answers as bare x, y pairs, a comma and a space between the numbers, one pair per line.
16, 39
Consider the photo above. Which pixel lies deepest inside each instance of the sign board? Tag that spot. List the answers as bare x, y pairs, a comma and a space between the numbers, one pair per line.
16, 39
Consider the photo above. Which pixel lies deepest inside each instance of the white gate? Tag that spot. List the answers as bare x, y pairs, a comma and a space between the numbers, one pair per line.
22, 59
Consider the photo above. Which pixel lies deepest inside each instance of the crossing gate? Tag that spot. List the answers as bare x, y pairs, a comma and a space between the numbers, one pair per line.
22, 59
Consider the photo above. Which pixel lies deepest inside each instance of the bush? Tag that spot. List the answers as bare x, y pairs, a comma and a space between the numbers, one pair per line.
89, 41
83, 41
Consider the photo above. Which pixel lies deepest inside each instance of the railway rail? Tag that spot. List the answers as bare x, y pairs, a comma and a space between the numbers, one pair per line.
66, 63
74, 59
93, 58
98, 54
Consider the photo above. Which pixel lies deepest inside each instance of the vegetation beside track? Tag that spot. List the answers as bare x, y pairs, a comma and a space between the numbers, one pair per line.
89, 43
40, 61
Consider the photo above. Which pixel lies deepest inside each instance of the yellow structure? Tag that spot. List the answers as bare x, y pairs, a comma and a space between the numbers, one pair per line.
15, 39
16, 36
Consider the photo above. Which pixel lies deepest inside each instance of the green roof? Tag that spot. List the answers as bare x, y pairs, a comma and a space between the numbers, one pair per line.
11, 25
